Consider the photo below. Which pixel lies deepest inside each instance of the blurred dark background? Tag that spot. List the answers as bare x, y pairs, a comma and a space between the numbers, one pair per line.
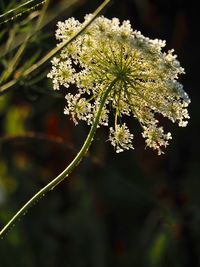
115, 210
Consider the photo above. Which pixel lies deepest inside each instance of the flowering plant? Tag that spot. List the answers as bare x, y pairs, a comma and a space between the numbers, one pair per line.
145, 80
114, 69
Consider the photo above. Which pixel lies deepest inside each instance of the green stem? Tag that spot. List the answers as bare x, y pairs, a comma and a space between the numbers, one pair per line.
15, 60
5, 87
65, 43
66, 171
16, 11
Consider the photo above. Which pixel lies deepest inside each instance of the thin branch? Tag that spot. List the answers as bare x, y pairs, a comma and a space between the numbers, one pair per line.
16, 58
4, 88
31, 136
15, 12
61, 8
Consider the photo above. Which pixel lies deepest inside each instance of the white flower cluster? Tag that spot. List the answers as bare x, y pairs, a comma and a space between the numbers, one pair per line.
156, 138
146, 79
121, 138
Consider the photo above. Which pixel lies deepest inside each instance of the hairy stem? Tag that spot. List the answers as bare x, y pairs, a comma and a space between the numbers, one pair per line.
16, 59
68, 169
19, 10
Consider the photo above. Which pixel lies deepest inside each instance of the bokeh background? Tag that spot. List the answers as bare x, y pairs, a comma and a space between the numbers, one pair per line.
115, 210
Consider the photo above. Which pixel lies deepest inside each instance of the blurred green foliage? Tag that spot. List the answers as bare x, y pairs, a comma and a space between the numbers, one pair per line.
134, 209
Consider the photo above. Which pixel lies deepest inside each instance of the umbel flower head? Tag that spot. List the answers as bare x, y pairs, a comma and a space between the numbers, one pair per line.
145, 80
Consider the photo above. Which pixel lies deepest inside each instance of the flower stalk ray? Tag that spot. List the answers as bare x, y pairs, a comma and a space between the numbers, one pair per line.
146, 79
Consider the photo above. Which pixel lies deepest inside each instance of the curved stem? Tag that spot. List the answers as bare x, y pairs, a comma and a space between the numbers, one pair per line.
68, 169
